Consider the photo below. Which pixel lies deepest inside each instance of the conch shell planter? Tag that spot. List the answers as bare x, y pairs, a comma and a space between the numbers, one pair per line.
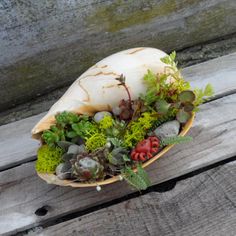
97, 89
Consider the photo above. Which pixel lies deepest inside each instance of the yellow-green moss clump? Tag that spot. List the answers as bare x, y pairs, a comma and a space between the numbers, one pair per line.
138, 129
96, 141
106, 122
48, 159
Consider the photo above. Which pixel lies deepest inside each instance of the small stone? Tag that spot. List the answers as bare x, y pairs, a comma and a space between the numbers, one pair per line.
67, 157
108, 145
98, 188
63, 170
81, 148
100, 115
116, 111
121, 177
64, 144
168, 129
52, 179
76, 149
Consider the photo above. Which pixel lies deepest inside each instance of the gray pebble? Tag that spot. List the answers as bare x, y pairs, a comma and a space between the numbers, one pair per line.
72, 151
63, 170
67, 157
76, 149
168, 129
100, 115
116, 111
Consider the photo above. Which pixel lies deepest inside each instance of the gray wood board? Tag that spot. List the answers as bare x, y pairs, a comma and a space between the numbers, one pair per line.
202, 205
15, 139
46, 44
16, 143
22, 192
220, 72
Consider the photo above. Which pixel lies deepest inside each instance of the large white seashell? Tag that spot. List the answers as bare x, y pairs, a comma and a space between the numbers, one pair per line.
97, 89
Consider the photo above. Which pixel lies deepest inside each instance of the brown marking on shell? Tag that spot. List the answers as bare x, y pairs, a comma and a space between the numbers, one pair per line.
97, 66
136, 50
84, 89
91, 110
100, 73
110, 86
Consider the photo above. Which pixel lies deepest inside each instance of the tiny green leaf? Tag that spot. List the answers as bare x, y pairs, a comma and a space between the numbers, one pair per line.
162, 106
71, 134
126, 158
173, 55
186, 96
202, 94
183, 116
208, 91
188, 106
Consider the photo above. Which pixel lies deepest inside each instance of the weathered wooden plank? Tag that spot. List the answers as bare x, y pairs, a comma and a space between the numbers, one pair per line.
220, 72
22, 192
16, 143
187, 57
18, 147
46, 44
202, 205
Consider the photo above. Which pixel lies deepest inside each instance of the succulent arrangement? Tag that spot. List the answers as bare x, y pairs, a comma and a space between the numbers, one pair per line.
117, 142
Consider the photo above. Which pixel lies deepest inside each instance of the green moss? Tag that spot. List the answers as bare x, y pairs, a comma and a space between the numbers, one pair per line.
96, 141
138, 129
207, 20
122, 14
44, 72
106, 122
48, 159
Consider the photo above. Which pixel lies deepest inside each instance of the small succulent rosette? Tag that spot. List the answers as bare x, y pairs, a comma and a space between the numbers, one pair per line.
97, 144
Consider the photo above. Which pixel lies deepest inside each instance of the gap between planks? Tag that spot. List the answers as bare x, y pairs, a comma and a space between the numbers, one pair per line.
16, 144
213, 141
159, 188
202, 205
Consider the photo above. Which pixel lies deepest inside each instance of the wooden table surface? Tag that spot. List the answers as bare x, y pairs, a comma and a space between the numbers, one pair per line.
193, 201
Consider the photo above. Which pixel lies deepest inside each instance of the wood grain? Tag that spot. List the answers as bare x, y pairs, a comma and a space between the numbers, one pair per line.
18, 147
220, 72
202, 205
16, 143
22, 192
47, 44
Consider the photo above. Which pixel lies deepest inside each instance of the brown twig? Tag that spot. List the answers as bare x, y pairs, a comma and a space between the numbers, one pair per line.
121, 79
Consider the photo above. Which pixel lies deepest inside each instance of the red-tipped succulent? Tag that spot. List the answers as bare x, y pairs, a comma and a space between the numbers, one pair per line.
145, 149
126, 110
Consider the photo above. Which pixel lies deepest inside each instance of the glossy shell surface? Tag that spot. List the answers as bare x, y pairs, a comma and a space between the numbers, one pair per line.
97, 88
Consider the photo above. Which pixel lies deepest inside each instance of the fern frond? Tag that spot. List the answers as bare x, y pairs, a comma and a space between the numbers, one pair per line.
143, 174
175, 140
163, 119
138, 180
